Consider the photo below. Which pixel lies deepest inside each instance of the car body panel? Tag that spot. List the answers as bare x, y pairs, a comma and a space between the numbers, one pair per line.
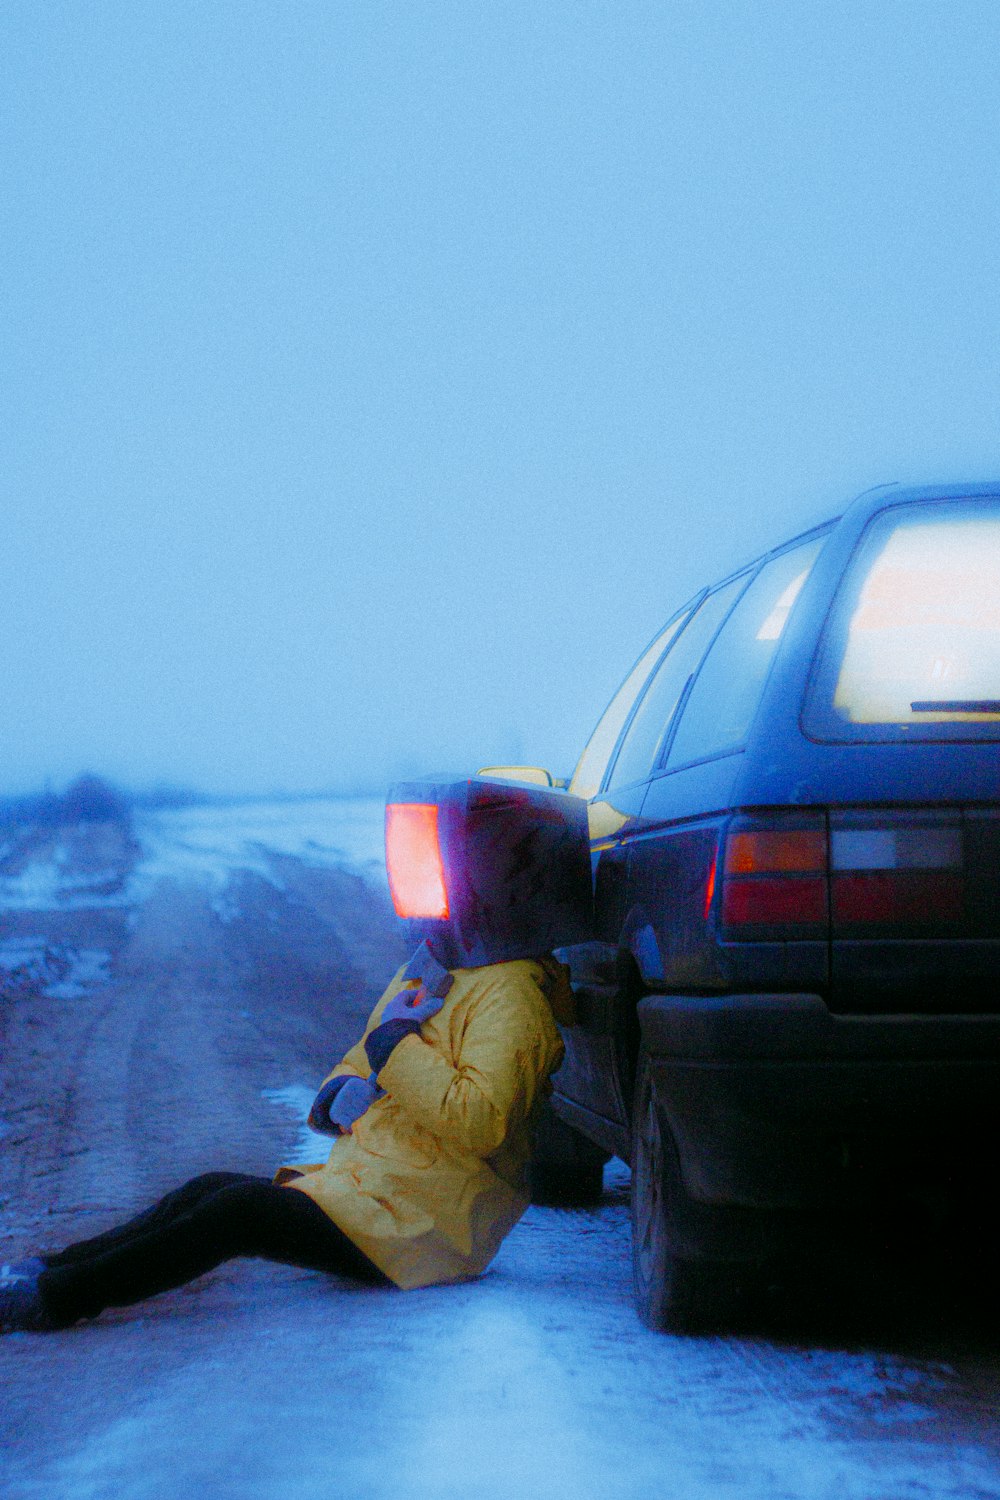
829, 1053
773, 1100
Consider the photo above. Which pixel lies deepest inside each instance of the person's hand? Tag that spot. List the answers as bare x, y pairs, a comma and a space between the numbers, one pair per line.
352, 1101
402, 1016
384, 1040
319, 1114
340, 1102
412, 1005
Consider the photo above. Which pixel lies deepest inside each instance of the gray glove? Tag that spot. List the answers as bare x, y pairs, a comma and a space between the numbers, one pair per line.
408, 1009
340, 1102
319, 1114
412, 1005
352, 1101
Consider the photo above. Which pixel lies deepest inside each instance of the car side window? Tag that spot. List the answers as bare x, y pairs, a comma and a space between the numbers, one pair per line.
724, 698
653, 717
590, 770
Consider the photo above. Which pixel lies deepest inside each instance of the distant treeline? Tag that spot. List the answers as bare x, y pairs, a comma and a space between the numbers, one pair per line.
88, 799
93, 799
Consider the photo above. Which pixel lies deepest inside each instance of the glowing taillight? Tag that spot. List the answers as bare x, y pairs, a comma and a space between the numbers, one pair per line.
710, 884
775, 850
413, 860
775, 877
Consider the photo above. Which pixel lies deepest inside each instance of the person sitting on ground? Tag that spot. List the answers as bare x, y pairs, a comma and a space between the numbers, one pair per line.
432, 1117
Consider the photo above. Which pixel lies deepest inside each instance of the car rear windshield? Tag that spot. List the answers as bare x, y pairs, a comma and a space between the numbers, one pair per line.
912, 646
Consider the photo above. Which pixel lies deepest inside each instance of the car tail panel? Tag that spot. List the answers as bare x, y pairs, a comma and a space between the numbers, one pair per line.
981, 838
897, 874
775, 882
906, 898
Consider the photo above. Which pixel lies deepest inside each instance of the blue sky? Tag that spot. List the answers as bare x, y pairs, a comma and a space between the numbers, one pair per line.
377, 377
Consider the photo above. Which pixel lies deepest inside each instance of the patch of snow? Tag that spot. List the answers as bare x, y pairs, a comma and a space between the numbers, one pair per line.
225, 907
89, 968
209, 843
45, 885
309, 1146
33, 965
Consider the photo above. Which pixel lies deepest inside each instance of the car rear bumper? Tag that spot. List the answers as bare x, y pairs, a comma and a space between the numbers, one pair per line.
773, 1101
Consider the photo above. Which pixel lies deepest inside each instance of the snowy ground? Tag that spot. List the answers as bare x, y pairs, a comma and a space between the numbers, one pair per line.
239, 958
208, 843
273, 1383
205, 845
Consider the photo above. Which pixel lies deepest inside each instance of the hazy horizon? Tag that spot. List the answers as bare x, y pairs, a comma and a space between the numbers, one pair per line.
378, 379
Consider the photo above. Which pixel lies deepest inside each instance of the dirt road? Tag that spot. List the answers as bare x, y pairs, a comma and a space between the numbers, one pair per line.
191, 1044
219, 990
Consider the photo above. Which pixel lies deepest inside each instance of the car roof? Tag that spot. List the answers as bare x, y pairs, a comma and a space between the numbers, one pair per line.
866, 503
778, 764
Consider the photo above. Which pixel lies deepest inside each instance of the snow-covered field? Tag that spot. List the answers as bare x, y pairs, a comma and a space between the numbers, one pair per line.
205, 844
207, 847
209, 843
272, 1384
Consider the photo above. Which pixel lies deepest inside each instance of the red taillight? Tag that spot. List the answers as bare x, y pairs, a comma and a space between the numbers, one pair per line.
775, 877
413, 860
895, 870
775, 901
878, 873
710, 884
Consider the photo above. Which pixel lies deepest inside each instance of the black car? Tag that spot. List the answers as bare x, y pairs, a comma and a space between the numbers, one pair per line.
792, 1005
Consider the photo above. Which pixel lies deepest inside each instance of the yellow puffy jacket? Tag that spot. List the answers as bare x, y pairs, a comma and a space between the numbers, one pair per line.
433, 1174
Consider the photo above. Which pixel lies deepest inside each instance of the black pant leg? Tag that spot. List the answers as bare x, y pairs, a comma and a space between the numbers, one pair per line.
171, 1206
251, 1217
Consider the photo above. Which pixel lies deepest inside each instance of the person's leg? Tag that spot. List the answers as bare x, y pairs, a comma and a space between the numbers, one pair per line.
251, 1217
172, 1206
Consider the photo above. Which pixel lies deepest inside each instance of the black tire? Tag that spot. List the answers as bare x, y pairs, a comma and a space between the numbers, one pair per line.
566, 1169
677, 1287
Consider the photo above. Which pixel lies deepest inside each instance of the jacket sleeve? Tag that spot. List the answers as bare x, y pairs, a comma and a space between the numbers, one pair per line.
354, 1063
506, 1054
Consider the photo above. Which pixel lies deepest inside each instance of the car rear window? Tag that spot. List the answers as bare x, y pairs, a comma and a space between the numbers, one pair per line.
912, 645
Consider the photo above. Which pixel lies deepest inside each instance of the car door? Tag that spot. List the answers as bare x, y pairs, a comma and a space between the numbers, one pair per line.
671, 872
582, 1076
596, 1073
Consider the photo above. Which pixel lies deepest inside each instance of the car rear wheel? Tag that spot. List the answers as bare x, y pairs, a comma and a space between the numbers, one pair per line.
677, 1289
566, 1169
